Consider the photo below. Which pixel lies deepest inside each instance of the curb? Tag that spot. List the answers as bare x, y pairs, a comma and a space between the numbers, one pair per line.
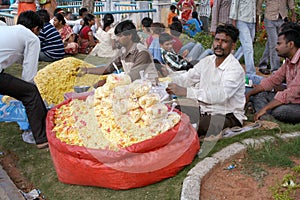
8, 190
192, 183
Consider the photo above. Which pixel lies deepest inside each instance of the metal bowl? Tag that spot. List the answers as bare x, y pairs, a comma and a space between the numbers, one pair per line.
80, 89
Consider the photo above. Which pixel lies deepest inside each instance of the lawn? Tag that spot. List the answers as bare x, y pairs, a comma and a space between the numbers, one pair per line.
37, 165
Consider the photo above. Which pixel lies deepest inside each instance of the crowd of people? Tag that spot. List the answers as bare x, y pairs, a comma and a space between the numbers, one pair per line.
213, 77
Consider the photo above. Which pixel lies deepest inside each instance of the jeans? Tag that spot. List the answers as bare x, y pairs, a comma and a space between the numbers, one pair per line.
196, 52
29, 95
247, 33
263, 62
239, 53
45, 58
272, 27
288, 113
205, 23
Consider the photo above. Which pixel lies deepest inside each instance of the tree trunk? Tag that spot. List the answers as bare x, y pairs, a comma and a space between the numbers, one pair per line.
89, 4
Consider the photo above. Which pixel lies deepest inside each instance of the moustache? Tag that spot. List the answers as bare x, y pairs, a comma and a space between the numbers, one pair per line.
218, 48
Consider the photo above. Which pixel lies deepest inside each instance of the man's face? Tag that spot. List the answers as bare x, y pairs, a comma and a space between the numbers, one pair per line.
282, 47
168, 45
124, 39
223, 45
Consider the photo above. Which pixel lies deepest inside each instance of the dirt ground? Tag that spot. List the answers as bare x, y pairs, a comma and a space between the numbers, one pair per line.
237, 184
9, 161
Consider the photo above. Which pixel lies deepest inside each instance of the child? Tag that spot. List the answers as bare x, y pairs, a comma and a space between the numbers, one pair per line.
172, 14
173, 60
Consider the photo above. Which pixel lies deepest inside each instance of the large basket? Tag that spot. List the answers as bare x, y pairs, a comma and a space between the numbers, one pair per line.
138, 165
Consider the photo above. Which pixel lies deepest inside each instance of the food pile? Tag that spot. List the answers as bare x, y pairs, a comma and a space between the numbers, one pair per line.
60, 77
119, 114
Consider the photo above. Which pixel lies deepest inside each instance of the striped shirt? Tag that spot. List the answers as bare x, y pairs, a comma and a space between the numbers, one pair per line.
220, 13
204, 9
289, 71
51, 42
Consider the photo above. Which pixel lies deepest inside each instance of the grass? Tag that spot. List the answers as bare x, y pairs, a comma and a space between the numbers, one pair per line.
37, 165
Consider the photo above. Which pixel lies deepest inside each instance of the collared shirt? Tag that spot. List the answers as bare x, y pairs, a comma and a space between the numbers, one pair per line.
220, 89
243, 10
135, 60
289, 71
274, 8
19, 44
204, 9
220, 13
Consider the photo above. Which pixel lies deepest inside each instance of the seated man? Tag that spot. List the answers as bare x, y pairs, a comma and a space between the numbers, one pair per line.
20, 43
282, 105
218, 83
134, 56
169, 57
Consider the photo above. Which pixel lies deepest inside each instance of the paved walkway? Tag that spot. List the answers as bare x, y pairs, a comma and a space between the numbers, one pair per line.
8, 190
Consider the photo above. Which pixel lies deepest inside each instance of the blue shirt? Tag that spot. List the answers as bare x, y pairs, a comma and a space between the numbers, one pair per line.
192, 31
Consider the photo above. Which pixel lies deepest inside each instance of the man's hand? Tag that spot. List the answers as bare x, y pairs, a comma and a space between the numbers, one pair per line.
259, 114
81, 71
99, 83
173, 88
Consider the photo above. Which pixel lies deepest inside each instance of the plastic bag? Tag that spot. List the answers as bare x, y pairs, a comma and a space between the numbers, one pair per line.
14, 112
138, 165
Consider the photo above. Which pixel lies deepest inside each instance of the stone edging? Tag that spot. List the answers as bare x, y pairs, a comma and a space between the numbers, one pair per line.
192, 183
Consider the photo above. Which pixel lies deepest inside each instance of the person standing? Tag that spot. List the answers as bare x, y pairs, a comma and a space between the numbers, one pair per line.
275, 13
218, 83
20, 43
204, 13
283, 105
24, 5
243, 16
186, 7
220, 14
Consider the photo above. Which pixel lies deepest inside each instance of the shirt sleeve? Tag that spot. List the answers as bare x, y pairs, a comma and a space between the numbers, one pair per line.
142, 62
276, 79
31, 57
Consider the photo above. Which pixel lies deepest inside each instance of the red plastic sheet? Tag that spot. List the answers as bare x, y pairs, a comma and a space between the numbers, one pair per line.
138, 165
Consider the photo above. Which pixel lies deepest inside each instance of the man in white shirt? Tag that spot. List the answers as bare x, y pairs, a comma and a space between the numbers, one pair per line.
20, 43
217, 82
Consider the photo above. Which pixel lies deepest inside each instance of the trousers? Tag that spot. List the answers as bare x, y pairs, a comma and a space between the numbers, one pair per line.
29, 95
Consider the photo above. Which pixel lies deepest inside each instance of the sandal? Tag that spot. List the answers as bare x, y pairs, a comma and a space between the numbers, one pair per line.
42, 145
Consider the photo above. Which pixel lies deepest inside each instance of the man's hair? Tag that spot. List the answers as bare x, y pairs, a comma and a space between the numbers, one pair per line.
3, 19
176, 28
164, 37
229, 30
157, 27
146, 22
127, 27
44, 15
82, 10
30, 19
172, 7
291, 32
